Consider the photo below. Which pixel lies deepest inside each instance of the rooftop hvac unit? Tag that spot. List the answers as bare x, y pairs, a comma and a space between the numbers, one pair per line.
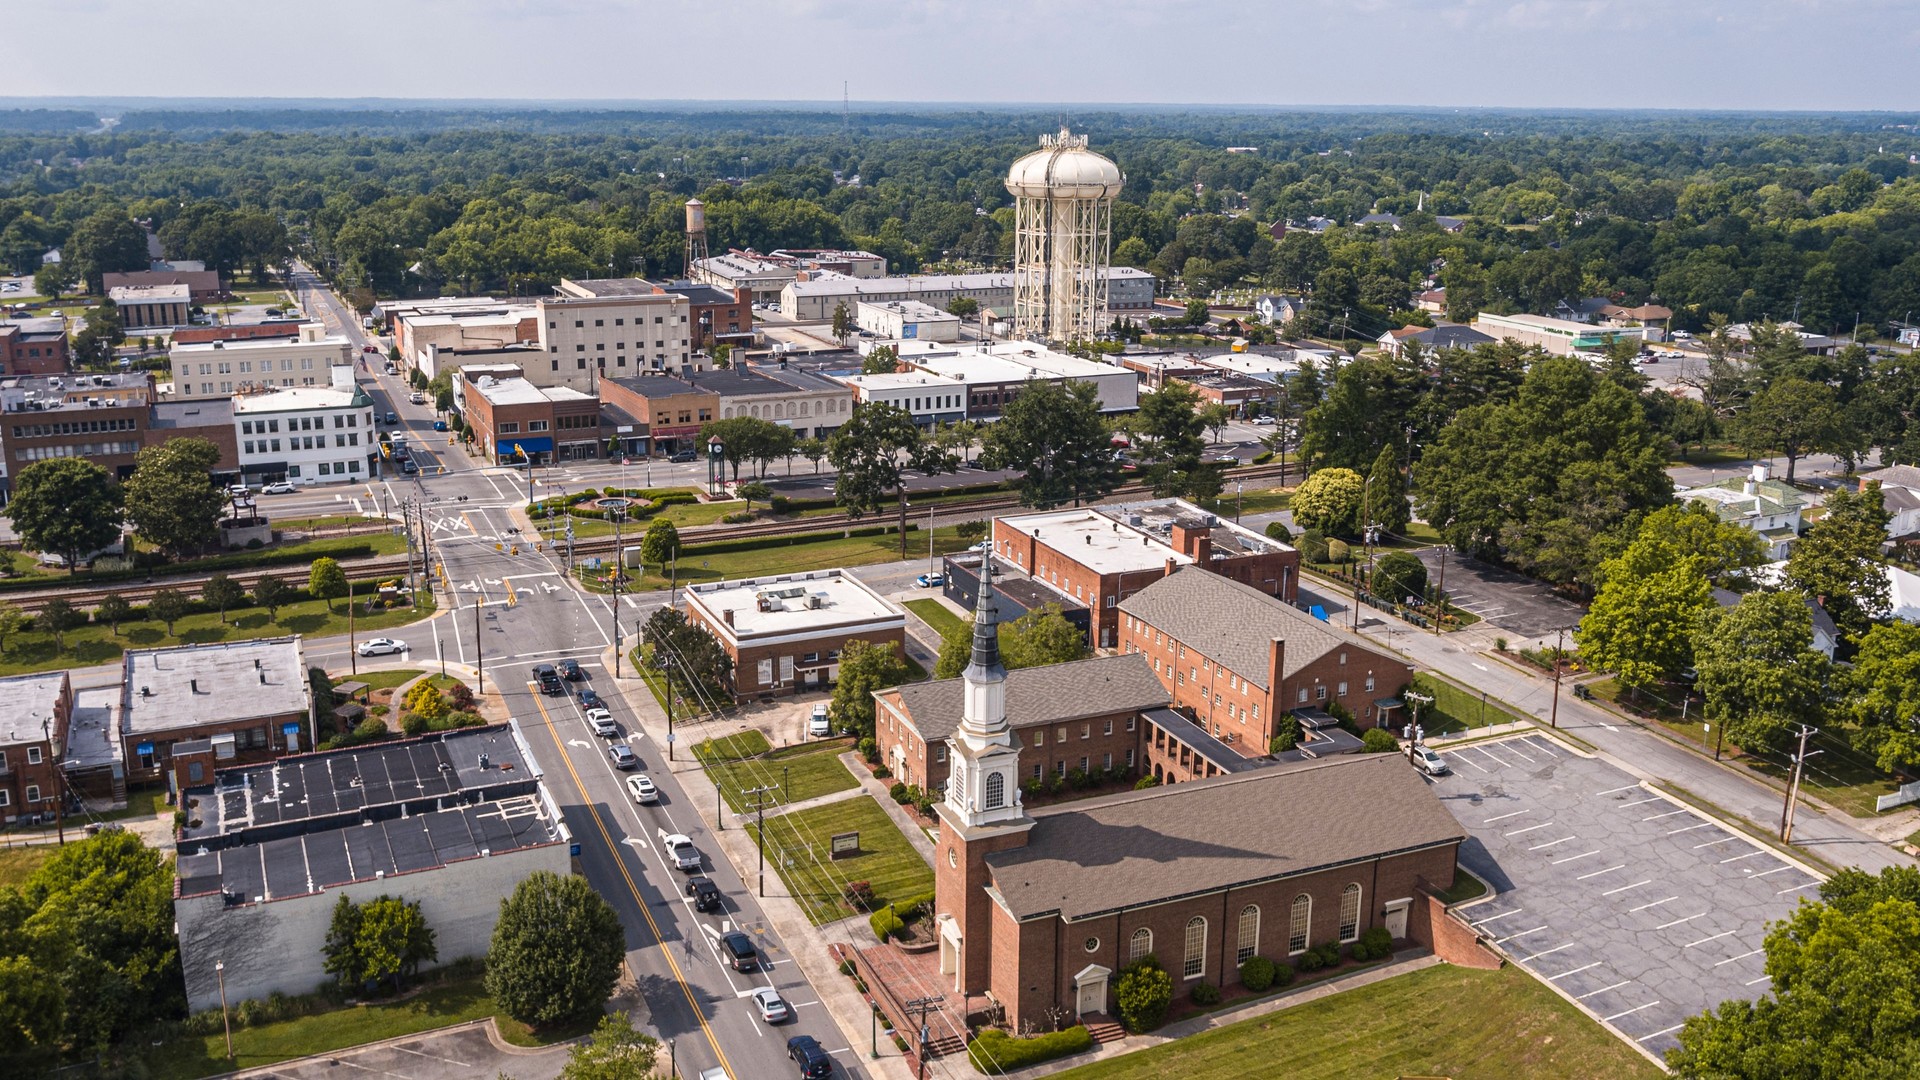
817, 601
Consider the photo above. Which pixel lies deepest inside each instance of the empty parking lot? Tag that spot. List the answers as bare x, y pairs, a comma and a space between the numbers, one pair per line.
1508, 600
1640, 908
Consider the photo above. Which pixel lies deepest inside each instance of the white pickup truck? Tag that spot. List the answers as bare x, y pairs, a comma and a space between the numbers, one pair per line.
680, 849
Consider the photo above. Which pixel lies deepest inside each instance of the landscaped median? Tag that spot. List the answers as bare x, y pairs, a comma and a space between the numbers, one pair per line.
936, 615
761, 556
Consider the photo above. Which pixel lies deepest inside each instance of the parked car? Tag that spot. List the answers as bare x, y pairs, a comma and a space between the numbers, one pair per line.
279, 487
623, 756
642, 789
407, 467
681, 850
1263, 421
930, 581
813, 1059
819, 725
548, 678
706, 895
417, 398
684, 456
773, 1007
381, 646
570, 670
439, 425
601, 721
1429, 762
740, 951
239, 491
370, 348
591, 700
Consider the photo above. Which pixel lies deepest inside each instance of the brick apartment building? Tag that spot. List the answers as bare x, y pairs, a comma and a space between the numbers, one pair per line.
250, 700
103, 418
673, 410
36, 712
717, 316
33, 347
785, 633
549, 423
1236, 658
1100, 556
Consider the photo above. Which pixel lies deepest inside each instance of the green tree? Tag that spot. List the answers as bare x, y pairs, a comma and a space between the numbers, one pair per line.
1838, 1002
1052, 434
1197, 313
1216, 417
1386, 494
1378, 741
883, 360
964, 306
556, 951
52, 280
1142, 994
1692, 534
94, 345
1883, 695
170, 499
12, 621
1837, 564
113, 611
872, 452
220, 592
57, 617
1757, 668
812, 449
754, 491
864, 668
689, 649
1041, 636
1793, 418
1330, 500
107, 242
842, 323
747, 438
270, 592
615, 1051
169, 606
1641, 627
1375, 402
661, 543
68, 506
1171, 446
380, 941
1398, 575
36, 948
326, 581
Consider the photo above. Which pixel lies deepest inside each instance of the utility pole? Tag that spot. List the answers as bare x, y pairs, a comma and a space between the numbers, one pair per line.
1560, 638
619, 571
1366, 509
668, 668
760, 827
353, 654
479, 654
1440, 594
925, 1005
1793, 785
1414, 732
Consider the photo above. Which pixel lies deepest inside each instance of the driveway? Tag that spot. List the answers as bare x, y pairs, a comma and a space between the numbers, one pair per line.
1640, 908
1528, 608
449, 1054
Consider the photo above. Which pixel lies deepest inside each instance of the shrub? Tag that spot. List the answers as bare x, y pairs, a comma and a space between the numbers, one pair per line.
1311, 960
881, 772
869, 750
1500, 643
779, 504
1263, 457
859, 895
1339, 551
1278, 531
1282, 975
897, 792
1206, 994
1146, 782
847, 967
415, 724
1078, 780
370, 728
1398, 576
1256, 974
1142, 994
1378, 741
924, 804
1377, 942
885, 923
1286, 735
995, 1052
1312, 550
1329, 953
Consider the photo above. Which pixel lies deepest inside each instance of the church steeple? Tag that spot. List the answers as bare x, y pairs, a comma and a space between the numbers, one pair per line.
983, 782
985, 663
983, 719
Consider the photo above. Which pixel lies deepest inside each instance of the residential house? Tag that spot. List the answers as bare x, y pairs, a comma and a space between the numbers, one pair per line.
36, 712
1900, 493
1277, 310
1767, 506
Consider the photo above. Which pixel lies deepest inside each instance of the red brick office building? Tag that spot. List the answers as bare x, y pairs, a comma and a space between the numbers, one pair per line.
36, 713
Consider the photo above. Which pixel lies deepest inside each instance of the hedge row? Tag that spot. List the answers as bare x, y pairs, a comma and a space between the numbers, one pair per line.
786, 504
886, 922
197, 606
336, 547
995, 1052
720, 547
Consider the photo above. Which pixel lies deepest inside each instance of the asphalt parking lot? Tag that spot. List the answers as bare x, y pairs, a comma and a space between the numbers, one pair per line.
1637, 906
446, 1055
1508, 600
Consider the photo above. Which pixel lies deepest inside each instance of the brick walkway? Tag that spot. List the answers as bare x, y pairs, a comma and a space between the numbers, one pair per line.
899, 976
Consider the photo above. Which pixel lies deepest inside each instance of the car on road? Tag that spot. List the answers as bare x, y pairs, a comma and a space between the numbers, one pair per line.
601, 721
407, 467
740, 951
706, 895
591, 700
279, 487
681, 850
1263, 421
370, 348
548, 679
930, 581
239, 491
570, 670
439, 425
392, 417
623, 756
773, 1007
417, 398
642, 789
813, 1059
381, 646
683, 457
1429, 762
820, 724
391, 370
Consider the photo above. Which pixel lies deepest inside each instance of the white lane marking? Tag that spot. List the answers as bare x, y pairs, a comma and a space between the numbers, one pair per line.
1690, 828
1615, 791
1552, 843
1737, 858
1571, 858
1775, 870
1752, 982
1662, 1031
1502, 915
1575, 971
1642, 802
1597, 873
1677, 922
1528, 829
1656, 903
1521, 934
1704, 940
1710, 843
1504, 817
1629, 1012
1668, 814
1742, 956
1797, 888
1604, 989
1624, 888
1548, 952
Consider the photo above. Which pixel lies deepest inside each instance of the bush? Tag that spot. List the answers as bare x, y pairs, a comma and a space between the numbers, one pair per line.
415, 724
847, 967
859, 895
1375, 944
995, 1052
1282, 975
881, 772
1206, 994
1311, 960
885, 923
1339, 551
869, 750
1279, 531
1378, 741
1145, 782
1263, 457
1312, 551
1256, 974
897, 792
1142, 994
1286, 735
1500, 643
370, 728
1399, 575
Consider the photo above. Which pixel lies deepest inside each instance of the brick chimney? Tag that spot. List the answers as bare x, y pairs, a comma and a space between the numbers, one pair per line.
1276, 663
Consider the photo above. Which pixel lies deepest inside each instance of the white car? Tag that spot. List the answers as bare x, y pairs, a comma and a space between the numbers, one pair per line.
773, 1007
820, 724
641, 785
1262, 421
381, 646
602, 722
1429, 762
279, 487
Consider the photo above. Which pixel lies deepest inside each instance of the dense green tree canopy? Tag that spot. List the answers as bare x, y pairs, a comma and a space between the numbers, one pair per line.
556, 950
1053, 433
68, 506
170, 498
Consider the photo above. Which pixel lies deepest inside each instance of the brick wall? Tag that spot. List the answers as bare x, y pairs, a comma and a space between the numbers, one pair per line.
1447, 935
245, 754
747, 656
959, 879
914, 761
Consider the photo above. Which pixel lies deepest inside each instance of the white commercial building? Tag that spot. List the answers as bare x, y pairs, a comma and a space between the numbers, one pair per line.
587, 338
309, 435
815, 298
995, 371
1562, 337
931, 399
907, 320
766, 275
216, 369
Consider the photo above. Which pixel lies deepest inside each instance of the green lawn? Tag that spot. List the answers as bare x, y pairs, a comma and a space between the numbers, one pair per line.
97, 644
1456, 708
452, 1002
799, 848
1435, 1022
800, 773
378, 541
382, 680
937, 615
799, 553
732, 747
17, 864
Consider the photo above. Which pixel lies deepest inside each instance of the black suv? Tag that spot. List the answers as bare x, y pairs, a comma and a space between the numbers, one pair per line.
706, 895
814, 1060
548, 678
591, 700
684, 456
570, 671
740, 947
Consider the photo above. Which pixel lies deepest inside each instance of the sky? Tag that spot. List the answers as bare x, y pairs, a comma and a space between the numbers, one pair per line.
1821, 55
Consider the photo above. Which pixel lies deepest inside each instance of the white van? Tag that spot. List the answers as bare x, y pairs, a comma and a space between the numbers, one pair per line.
819, 725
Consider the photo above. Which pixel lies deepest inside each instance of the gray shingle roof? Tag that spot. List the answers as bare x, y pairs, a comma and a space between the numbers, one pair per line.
1234, 624
1145, 847
1042, 695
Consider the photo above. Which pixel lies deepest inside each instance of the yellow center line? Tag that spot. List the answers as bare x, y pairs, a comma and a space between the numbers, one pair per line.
659, 939
508, 583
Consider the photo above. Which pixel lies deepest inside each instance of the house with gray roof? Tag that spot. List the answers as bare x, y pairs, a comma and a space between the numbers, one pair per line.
1900, 494
1767, 506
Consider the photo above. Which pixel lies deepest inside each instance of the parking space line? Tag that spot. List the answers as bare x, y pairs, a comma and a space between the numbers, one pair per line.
1624, 888
1742, 956
1604, 989
1513, 747
1629, 1012
1502, 762
1677, 922
1690, 828
1547, 952
1608, 870
1737, 858
1668, 814
1704, 940
1551, 843
1615, 790
1544, 745
1575, 971
1528, 829
1662, 1031
1521, 934
1710, 843
1571, 858
1752, 982
1462, 759
1502, 915
1644, 907
1797, 888
1775, 870
1642, 802
1503, 817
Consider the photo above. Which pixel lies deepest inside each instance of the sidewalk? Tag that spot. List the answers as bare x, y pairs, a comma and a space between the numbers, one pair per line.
903, 819
806, 944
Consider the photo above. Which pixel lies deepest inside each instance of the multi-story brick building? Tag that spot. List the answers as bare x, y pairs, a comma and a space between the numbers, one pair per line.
512, 416
210, 419
785, 633
1040, 912
152, 306
1236, 658
202, 285
33, 346
249, 699
810, 405
35, 714
1100, 556
673, 410
103, 418
718, 316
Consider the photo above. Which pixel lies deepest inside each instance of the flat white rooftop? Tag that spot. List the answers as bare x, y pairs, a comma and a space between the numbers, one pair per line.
190, 685
291, 398
1254, 364
822, 600
1097, 541
26, 701
904, 380
1010, 361
518, 391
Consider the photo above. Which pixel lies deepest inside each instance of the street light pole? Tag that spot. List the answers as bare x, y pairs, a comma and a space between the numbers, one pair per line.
1560, 639
220, 971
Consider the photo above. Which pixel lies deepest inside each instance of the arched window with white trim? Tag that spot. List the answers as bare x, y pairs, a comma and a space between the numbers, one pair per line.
1350, 913
1297, 925
1249, 934
996, 789
1141, 946
1195, 963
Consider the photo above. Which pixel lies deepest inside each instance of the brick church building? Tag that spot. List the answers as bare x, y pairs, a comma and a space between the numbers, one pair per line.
1042, 911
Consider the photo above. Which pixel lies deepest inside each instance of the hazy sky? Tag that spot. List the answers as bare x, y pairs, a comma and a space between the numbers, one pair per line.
1718, 54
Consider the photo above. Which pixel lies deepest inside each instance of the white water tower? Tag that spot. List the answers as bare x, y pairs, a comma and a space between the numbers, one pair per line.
1063, 229
696, 235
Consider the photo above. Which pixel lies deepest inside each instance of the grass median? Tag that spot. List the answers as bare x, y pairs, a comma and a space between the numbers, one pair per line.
936, 615
800, 849
796, 774
1455, 708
